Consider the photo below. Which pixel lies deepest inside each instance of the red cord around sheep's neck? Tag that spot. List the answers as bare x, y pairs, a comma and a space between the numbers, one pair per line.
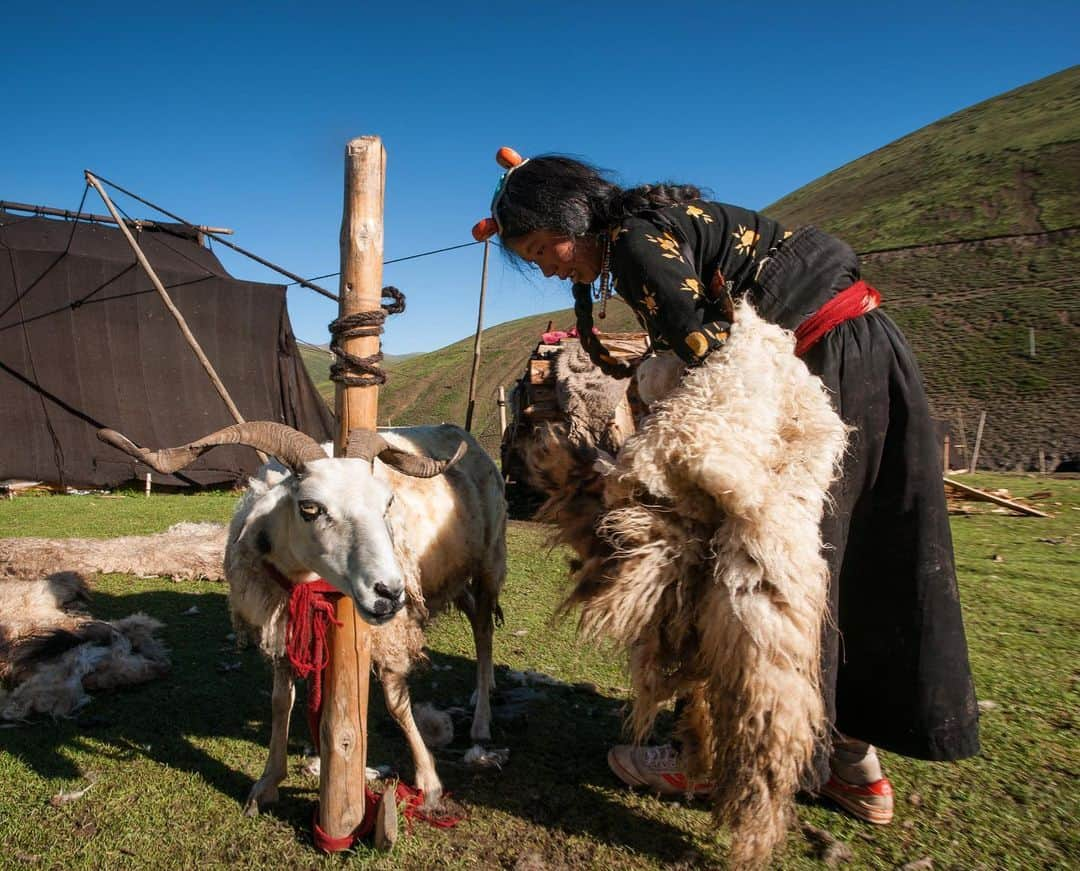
312, 608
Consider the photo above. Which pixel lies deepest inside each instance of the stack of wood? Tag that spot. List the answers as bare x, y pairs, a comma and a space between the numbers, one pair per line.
957, 493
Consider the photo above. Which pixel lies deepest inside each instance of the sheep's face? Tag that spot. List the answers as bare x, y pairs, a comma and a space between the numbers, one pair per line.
339, 523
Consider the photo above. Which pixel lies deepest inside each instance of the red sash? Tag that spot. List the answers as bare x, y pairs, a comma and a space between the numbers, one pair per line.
851, 302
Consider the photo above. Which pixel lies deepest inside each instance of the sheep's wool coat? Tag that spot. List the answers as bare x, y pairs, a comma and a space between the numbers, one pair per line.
707, 568
52, 652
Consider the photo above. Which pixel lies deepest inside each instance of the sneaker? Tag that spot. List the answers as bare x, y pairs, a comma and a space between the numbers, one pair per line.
871, 802
654, 767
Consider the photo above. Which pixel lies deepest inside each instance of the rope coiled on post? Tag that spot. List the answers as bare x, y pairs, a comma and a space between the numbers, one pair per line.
362, 371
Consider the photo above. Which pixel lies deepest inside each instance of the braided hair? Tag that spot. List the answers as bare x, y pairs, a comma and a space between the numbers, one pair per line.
573, 198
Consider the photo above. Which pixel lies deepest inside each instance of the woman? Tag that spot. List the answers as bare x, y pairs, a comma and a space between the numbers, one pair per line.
895, 670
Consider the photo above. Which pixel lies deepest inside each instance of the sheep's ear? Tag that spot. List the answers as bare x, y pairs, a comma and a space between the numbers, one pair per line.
257, 520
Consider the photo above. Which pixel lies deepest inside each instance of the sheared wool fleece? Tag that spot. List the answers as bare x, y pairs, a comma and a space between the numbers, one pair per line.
185, 551
707, 567
587, 397
52, 652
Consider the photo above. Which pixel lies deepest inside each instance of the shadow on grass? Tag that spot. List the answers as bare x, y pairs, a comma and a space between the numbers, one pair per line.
557, 777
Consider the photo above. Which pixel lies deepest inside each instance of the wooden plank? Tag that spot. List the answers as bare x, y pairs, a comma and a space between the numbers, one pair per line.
983, 496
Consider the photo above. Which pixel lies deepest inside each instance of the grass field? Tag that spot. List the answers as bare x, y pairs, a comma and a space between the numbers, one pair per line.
171, 762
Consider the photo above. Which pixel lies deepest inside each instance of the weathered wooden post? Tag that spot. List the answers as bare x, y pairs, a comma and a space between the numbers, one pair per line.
978, 442
343, 730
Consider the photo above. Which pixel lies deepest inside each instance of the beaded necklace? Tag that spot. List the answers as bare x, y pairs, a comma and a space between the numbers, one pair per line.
605, 277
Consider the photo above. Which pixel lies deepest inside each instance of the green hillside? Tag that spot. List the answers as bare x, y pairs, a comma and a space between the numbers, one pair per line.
1007, 167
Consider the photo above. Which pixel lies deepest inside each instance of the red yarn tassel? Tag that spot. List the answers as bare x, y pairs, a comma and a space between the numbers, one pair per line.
311, 611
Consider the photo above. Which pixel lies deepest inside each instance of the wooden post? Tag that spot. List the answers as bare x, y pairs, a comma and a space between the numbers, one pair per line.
343, 730
963, 442
193, 343
945, 457
1042, 462
147, 485
476, 343
502, 410
189, 337
978, 442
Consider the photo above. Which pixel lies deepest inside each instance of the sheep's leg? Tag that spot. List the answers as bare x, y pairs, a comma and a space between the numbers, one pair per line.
265, 790
483, 625
399, 704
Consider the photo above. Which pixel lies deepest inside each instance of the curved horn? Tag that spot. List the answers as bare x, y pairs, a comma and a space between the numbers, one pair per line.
289, 445
367, 444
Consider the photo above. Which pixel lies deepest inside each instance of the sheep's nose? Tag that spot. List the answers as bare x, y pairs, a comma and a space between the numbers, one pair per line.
388, 600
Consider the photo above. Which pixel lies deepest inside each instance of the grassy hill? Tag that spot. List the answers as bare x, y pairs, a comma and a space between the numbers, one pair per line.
1006, 167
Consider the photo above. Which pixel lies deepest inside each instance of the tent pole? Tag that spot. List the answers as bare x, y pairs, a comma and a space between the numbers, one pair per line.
343, 735
209, 231
189, 337
476, 343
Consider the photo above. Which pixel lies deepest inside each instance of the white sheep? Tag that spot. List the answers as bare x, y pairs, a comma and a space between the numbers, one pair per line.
402, 534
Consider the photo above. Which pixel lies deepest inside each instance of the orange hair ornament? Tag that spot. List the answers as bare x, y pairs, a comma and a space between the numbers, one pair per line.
509, 160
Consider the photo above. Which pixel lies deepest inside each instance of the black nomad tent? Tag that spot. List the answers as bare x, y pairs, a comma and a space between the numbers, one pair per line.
86, 342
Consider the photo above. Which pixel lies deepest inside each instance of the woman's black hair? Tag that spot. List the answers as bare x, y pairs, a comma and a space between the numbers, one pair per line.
569, 196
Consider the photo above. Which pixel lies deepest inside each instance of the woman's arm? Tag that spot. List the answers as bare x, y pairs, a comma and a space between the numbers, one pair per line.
653, 273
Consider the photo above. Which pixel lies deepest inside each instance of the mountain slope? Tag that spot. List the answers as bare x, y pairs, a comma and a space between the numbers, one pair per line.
1007, 165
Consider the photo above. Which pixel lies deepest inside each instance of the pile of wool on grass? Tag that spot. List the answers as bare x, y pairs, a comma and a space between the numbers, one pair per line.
185, 551
52, 652
700, 553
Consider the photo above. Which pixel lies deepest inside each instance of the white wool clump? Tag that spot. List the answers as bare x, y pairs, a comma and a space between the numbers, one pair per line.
487, 757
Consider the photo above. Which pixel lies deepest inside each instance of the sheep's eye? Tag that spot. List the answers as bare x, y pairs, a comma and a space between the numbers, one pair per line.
309, 510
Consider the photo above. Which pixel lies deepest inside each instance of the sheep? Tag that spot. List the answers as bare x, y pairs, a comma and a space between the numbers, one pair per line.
402, 534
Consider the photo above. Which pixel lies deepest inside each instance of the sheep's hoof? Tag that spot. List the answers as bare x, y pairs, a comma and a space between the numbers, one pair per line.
386, 822
259, 798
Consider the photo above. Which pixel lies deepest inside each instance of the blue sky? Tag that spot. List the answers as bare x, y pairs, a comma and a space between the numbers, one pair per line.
237, 114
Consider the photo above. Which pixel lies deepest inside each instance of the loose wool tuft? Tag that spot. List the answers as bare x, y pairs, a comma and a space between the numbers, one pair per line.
707, 567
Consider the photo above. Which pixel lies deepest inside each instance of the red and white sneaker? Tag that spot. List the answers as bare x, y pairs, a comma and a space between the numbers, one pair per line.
656, 768
872, 802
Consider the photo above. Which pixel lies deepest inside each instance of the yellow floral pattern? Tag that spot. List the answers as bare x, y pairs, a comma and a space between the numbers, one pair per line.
669, 244
695, 212
697, 343
693, 287
648, 299
746, 240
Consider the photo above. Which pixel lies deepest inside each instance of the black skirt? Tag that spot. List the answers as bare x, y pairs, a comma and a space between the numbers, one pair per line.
894, 656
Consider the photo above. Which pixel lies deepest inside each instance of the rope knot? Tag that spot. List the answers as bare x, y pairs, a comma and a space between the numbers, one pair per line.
352, 369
